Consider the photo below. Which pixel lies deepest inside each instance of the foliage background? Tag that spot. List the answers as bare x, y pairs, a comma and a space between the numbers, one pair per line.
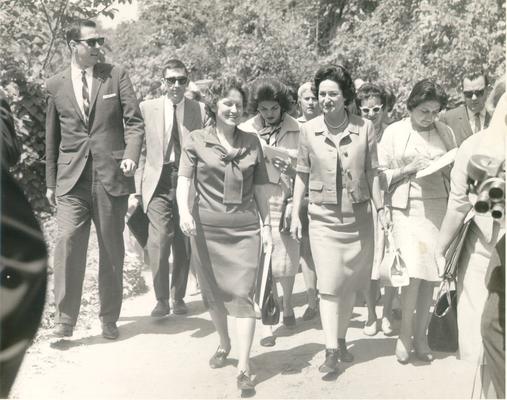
395, 41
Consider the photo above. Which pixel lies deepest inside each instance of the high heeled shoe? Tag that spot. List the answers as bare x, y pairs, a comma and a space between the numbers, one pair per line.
244, 382
331, 362
219, 359
402, 354
343, 354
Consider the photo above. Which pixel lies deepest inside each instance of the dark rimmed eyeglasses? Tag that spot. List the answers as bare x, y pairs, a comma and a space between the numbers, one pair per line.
366, 110
470, 93
182, 80
93, 41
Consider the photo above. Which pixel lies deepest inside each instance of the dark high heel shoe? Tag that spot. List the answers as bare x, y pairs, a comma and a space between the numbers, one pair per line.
331, 363
219, 359
343, 354
426, 357
244, 382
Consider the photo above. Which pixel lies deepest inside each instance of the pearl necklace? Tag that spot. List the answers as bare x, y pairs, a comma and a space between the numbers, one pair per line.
344, 122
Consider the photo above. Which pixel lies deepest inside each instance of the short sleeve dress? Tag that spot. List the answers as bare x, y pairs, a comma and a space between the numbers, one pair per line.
225, 252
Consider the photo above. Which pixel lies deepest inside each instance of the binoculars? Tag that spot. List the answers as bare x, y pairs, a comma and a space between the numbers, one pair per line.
486, 178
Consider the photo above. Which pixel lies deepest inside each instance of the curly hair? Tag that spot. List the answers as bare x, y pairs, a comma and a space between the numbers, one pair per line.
341, 76
268, 89
426, 90
368, 90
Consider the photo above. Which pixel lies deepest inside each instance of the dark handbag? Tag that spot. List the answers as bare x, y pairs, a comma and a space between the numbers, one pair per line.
453, 254
270, 310
443, 327
138, 224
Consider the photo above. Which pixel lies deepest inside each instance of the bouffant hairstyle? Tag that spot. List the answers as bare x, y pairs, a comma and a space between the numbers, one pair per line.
221, 87
426, 90
368, 90
268, 89
341, 76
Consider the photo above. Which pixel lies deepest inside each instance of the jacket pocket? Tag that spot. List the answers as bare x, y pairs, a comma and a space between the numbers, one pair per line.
315, 189
65, 158
358, 190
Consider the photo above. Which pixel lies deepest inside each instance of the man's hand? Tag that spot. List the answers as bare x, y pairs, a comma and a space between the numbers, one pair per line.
50, 195
133, 202
128, 167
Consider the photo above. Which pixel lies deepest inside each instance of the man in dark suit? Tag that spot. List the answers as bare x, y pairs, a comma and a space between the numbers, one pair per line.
169, 120
471, 117
94, 134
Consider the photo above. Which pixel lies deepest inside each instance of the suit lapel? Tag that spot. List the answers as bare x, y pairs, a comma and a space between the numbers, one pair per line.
159, 120
97, 83
69, 91
465, 122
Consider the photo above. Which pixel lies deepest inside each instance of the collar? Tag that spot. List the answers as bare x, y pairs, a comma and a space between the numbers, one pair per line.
482, 113
211, 137
169, 103
76, 71
352, 127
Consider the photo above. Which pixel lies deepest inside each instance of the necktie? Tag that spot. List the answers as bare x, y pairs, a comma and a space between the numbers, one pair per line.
86, 96
477, 121
174, 142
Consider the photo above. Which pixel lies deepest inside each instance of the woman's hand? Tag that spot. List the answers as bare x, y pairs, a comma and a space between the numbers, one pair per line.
296, 228
284, 165
267, 238
384, 216
440, 261
418, 163
187, 224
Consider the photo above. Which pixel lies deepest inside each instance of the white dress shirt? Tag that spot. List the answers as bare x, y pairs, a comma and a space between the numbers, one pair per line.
471, 119
77, 84
168, 122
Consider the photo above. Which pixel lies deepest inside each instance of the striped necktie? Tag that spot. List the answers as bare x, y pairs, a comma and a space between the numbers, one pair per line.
477, 121
86, 95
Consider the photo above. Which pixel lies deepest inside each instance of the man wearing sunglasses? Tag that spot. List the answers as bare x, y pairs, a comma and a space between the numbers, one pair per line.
471, 117
94, 135
169, 120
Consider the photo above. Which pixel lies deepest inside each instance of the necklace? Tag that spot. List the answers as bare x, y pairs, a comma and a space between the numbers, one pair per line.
341, 124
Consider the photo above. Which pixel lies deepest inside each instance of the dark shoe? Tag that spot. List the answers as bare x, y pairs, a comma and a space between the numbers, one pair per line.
179, 307
161, 309
310, 313
426, 357
331, 363
63, 330
110, 330
268, 341
289, 321
219, 358
343, 354
244, 382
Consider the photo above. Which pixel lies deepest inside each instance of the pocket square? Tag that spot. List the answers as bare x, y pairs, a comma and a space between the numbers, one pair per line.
108, 96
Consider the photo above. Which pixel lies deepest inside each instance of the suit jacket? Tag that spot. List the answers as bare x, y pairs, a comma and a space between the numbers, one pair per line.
152, 155
114, 131
391, 150
457, 119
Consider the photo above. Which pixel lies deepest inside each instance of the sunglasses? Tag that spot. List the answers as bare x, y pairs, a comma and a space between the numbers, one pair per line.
366, 110
469, 93
172, 80
93, 42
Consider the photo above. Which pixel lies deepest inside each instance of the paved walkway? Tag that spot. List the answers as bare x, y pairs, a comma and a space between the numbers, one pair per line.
168, 358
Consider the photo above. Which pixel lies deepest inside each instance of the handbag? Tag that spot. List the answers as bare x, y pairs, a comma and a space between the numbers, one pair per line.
270, 310
392, 269
453, 253
443, 326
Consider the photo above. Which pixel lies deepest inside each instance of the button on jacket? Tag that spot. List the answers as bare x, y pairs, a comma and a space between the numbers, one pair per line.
319, 156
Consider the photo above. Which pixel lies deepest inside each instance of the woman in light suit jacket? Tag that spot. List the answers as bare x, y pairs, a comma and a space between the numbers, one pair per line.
273, 125
418, 205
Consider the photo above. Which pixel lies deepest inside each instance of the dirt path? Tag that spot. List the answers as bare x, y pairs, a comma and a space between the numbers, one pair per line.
168, 358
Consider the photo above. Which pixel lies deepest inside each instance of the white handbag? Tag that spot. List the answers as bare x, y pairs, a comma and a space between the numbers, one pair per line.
392, 269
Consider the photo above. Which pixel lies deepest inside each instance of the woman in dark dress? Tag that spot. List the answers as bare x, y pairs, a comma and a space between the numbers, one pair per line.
228, 170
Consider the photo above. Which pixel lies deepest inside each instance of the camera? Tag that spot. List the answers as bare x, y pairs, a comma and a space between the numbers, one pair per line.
486, 179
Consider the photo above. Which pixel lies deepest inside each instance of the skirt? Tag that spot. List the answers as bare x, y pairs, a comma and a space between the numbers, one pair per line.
226, 261
285, 256
342, 245
379, 246
415, 231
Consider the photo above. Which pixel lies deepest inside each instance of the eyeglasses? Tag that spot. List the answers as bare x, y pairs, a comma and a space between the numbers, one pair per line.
173, 79
470, 93
93, 42
366, 110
